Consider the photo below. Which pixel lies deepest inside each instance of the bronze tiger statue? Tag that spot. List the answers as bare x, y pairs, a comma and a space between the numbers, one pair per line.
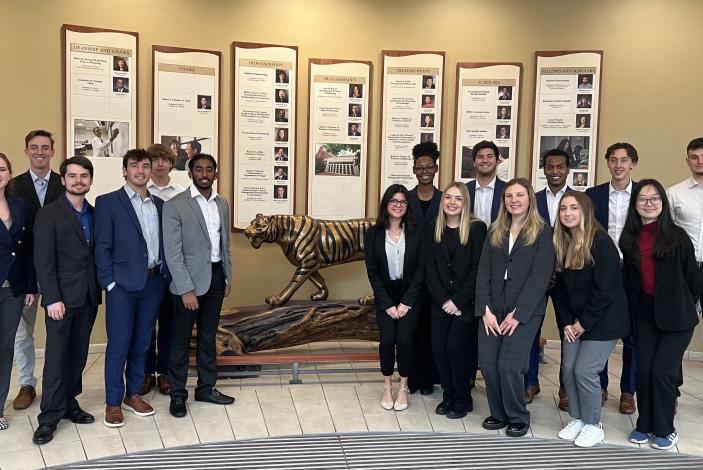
309, 244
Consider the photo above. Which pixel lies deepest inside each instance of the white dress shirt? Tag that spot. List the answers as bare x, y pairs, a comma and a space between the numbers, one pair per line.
99, 147
686, 200
395, 252
618, 202
211, 214
484, 200
165, 192
553, 201
40, 185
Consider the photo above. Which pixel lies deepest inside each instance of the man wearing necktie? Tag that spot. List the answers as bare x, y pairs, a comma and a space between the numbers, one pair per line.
37, 186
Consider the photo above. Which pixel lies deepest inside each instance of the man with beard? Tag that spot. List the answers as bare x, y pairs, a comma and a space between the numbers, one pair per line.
131, 268
70, 295
196, 237
423, 202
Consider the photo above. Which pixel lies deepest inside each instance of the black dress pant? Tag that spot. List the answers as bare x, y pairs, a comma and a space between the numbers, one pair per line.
207, 317
659, 356
452, 339
396, 336
67, 342
423, 372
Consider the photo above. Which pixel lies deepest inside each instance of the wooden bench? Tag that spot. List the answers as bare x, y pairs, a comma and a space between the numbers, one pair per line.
294, 359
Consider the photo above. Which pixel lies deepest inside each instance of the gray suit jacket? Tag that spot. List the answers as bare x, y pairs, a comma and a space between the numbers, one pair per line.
187, 244
529, 271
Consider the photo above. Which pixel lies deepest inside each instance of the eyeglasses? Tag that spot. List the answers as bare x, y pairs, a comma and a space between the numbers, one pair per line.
425, 169
654, 200
396, 202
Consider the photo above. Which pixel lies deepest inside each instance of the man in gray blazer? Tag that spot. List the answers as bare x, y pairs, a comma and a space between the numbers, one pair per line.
196, 245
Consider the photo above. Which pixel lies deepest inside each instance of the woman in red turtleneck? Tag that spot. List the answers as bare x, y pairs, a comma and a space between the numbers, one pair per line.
661, 281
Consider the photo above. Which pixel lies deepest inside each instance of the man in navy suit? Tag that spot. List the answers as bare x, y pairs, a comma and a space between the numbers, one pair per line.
485, 193
485, 201
610, 203
556, 170
131, 268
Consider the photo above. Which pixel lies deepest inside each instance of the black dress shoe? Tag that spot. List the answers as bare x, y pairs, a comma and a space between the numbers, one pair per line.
492, 424
177, 407
214, 397
517, 429
412, 389
80, 416
428, 390
44, 433
443, 408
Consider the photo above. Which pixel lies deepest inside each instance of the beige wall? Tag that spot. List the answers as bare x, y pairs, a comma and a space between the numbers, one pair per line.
651, 77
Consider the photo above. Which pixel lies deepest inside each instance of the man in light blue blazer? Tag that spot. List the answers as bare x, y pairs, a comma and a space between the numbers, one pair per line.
196, 235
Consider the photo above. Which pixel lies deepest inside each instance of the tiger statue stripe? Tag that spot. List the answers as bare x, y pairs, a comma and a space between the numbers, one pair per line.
309, 245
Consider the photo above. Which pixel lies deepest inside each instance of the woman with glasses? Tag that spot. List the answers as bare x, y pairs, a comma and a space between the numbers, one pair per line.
395, 263
454, 244
661, 281
423, 202
515, 268
591, 310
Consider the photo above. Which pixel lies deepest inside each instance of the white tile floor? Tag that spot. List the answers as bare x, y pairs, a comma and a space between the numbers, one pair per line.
269, 406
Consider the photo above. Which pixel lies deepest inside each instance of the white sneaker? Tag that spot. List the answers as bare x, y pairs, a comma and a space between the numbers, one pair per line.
572, 430
591, 435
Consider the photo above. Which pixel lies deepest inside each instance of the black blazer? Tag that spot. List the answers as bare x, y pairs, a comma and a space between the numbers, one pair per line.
497, 193
432, 211
454, 279
16, 249
529, 268
676, 288
601, 199
594, 295
23, 186
66, 269
377, 267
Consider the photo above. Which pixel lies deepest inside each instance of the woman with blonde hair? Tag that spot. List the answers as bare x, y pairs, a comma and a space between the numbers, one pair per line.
591, 310
515, 268
454, 248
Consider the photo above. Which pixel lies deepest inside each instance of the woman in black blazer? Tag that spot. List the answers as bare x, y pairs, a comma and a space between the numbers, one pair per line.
661, 281
591, 309
454, 244
515, 268
17, 275
395, 262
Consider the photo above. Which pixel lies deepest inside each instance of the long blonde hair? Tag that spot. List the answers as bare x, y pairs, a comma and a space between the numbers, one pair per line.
532, 225
580, 238
465, 220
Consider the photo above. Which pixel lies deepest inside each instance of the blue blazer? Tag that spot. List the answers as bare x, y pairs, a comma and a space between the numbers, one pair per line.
121, 254
16, 249
600, 197
497, 192
542, 206
416, 209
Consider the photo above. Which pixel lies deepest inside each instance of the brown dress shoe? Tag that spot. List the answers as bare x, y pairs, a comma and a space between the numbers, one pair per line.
136, 405
164, 384
113, 417
563, 400
603, 397
149, 383
24, 398
627, 404
530, 393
